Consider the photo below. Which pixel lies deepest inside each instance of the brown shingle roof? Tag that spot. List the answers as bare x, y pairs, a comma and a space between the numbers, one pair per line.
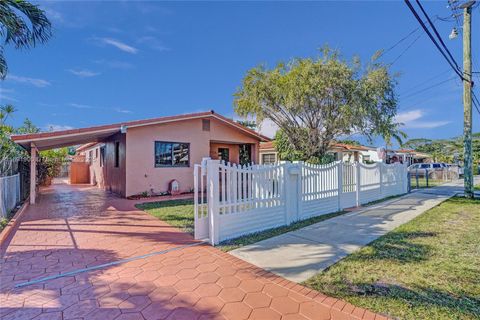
44, 135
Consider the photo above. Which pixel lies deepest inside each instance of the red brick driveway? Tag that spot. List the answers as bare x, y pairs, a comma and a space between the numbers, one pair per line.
73, 228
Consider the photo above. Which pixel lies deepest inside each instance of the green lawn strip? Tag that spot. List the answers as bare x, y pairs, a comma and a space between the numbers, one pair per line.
425, 269
178, 213
422, 183
265, 234
477, 187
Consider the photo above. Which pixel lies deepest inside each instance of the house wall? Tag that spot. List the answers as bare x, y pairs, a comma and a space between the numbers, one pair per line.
373, 154
97, 172
233, 154
142, 175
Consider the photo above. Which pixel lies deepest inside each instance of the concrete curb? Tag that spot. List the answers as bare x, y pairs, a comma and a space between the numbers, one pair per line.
14, 222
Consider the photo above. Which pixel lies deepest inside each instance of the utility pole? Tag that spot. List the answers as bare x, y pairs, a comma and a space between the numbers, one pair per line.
467, 99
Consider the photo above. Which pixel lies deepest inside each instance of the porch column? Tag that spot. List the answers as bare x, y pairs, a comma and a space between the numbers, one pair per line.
33, 173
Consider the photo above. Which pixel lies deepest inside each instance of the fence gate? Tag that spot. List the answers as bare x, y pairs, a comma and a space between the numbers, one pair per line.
200, 201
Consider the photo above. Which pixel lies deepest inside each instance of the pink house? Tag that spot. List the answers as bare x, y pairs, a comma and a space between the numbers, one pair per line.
141, 156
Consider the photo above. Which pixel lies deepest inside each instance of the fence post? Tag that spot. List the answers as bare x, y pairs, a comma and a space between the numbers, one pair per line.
357, 182
408, 183
340, 184
380, 170
426, 177
416, 176
213, 200
293, 196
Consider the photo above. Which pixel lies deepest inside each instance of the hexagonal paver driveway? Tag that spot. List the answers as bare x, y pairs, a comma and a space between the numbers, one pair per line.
73, 228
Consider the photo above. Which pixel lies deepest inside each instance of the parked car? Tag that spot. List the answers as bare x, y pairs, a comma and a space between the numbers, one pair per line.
421, 169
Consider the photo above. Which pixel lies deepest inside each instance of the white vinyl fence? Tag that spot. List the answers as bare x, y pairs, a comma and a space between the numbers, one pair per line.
9, 194
233, 200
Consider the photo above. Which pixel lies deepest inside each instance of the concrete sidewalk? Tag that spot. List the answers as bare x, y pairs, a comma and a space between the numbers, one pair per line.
300, 254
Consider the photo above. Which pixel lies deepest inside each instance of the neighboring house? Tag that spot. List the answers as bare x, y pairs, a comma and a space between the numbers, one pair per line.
268, 154
340, 151
408, 156
141, 156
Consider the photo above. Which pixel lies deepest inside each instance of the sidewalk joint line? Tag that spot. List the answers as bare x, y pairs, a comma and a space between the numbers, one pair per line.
101, 266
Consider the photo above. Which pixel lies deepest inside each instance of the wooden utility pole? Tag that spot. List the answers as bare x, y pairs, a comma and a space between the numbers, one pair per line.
467, 99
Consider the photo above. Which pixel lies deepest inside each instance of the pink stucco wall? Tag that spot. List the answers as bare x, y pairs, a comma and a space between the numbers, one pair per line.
96, 170
141, 173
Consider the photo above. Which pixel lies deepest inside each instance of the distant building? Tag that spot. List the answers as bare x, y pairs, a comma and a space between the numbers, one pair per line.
340, 151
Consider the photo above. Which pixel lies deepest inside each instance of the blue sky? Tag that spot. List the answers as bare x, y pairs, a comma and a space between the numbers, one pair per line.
117, 61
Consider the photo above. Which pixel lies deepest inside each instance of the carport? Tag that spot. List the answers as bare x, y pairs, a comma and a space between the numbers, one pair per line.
36, 142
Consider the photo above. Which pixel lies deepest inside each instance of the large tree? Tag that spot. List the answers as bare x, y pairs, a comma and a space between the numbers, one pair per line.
314, 101
23, 25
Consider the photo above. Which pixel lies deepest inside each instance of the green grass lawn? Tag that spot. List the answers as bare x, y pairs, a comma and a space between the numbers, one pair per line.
178, 213
429, 268
422, 182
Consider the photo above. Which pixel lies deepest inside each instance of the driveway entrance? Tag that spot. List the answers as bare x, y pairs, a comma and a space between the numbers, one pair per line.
75, 228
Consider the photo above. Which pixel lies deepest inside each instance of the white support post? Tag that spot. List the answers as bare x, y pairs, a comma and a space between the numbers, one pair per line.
213, 200
293, 196
33, 173
357, 182
381, 164
340, 184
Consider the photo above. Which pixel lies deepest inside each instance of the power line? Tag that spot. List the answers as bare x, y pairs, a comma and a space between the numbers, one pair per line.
406, 49
412, 9
400, 41
410, 89
437, 34
476, 103
428, 88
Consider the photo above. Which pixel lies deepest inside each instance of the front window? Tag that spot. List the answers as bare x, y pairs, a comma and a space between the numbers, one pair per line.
224, 154
268, 158
172, 154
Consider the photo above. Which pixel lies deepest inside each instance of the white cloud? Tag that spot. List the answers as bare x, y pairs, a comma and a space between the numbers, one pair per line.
39, 83
426, 124
57, 127
81, 106
54, 15
83, 73
404, 117
410, 119
5, 95
153, 43
118, 44
114, 64
123, 111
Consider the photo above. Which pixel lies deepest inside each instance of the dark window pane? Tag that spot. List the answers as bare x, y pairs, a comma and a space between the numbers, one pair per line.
163, 154
180, 154
224, 154
117, 155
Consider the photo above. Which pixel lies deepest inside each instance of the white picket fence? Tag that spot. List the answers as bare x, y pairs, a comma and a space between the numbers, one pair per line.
9, 194
232, 200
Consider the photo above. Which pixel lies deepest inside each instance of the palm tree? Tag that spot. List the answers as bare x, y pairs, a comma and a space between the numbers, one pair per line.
5, 112
22, 24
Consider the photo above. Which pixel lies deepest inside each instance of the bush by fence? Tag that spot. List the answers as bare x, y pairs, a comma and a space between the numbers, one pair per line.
246, 199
